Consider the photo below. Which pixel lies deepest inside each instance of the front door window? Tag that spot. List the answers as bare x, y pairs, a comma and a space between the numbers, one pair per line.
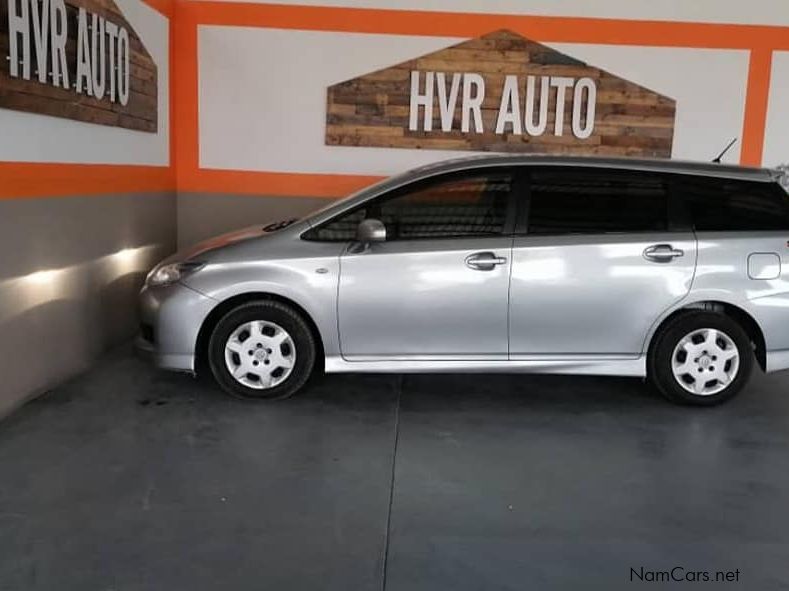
457, 207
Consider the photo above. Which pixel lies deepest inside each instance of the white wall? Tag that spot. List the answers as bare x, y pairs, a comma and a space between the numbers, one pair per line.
776, 144
276, 118
273, 116
28, 137
708, 85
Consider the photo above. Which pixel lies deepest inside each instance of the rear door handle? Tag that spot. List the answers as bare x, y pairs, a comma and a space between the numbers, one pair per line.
662, 253
484, 261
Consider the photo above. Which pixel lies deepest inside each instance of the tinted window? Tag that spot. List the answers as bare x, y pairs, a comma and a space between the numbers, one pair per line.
730, 205
586, 201
341, 229
455, 207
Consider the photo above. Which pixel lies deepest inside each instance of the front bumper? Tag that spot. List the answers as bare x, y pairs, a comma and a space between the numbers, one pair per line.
170, 318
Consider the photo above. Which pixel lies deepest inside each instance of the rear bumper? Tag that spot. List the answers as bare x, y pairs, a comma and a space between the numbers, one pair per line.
771, 313
171, 317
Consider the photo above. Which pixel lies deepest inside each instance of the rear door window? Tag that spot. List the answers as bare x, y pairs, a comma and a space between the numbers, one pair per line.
596, 201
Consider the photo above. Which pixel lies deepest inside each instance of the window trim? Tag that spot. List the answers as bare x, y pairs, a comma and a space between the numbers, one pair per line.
679, 219
510, 213
674, 216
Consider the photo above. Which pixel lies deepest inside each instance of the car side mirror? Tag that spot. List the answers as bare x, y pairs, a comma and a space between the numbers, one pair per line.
371, 230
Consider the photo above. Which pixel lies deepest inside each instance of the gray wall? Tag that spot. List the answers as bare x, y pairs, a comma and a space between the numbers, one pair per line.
202, 215
70, 270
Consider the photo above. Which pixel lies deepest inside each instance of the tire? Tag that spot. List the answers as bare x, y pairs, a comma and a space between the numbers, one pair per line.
269, 347
724, 357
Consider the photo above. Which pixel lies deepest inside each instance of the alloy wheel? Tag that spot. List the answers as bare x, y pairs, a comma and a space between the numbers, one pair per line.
260, 354
705, 361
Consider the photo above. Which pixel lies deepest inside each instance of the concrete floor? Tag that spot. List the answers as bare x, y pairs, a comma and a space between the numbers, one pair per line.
132, 479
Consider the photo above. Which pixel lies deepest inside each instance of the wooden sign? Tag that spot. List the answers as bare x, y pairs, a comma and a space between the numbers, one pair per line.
500, 93
77, 59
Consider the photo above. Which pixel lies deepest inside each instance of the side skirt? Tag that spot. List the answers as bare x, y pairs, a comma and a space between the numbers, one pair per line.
777, 360
590, 365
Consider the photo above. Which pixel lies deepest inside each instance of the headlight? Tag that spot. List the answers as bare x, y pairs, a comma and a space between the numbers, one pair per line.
171, 273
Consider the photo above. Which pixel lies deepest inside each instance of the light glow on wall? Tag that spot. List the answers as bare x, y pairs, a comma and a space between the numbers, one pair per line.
127, 261
23, 293
47, 277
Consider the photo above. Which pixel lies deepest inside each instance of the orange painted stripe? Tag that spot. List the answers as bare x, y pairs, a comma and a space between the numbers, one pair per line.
238, 182
171, 65
185, 122
459, 24
756, 102
165, 7
23, 179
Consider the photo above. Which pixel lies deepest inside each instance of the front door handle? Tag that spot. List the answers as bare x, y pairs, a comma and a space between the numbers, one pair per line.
484, 261
662, 253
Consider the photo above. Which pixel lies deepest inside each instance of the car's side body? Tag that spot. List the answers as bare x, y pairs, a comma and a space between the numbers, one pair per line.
581, 304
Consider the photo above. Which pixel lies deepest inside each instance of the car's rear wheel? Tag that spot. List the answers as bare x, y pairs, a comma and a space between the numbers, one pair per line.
701, 358
262, 350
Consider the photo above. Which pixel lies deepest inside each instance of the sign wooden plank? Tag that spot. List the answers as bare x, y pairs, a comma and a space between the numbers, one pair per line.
94, 66
505, 93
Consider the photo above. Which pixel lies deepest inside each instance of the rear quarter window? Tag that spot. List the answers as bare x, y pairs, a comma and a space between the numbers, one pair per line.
726, 205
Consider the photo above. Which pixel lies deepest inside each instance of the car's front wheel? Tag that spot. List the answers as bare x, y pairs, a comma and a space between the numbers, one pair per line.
262, 350
701, 358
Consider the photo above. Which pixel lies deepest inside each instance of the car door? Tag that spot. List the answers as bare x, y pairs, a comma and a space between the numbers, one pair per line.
597, 259
436, 288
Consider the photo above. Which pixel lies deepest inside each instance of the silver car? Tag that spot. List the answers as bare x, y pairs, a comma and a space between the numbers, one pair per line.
678, 272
